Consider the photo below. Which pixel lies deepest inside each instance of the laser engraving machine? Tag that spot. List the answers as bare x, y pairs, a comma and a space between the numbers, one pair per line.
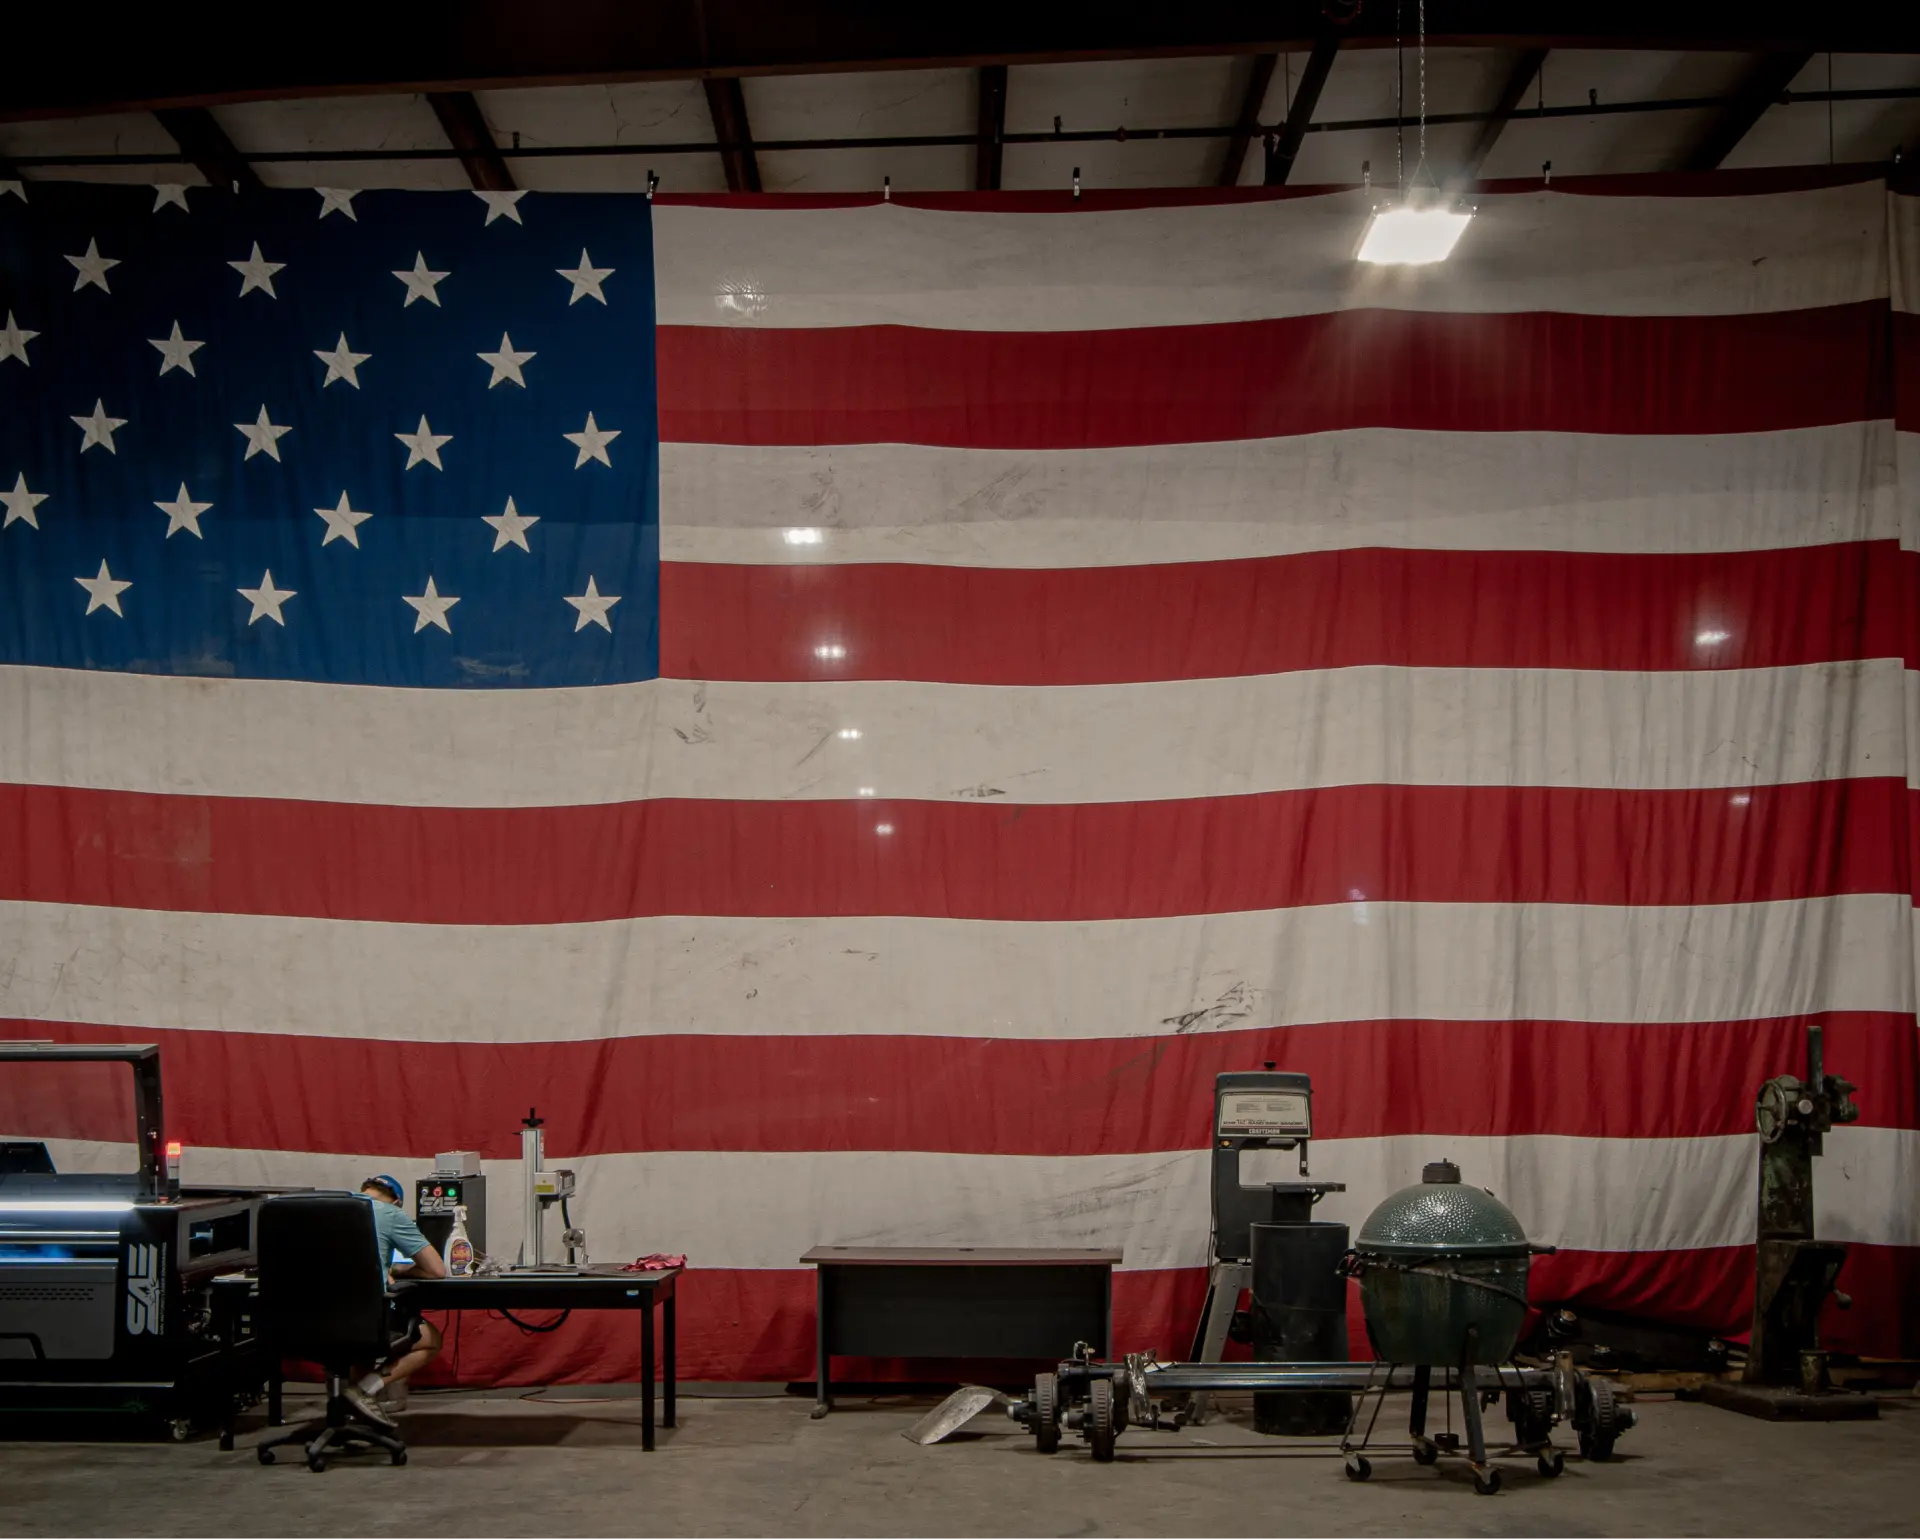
105, 1298
457, 1182
1254, 1111
544, 1188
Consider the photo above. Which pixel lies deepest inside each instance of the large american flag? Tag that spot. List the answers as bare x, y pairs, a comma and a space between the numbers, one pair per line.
1081, 647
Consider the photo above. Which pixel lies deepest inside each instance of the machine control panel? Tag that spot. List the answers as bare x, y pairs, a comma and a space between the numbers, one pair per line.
439, 1194
1276, 1114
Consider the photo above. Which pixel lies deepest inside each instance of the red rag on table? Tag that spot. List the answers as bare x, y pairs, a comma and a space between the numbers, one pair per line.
659, 1261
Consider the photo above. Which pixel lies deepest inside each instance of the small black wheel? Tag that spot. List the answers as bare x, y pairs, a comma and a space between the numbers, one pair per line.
1487, 1482
265, 1455
226, 1442
398, 1456
1425, 1453
1046, 1412
1551, 1465
181, 1428
317, 1463
1100, 1428
1359, 1466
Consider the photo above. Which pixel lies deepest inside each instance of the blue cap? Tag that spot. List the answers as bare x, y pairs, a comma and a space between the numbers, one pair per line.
391, 1183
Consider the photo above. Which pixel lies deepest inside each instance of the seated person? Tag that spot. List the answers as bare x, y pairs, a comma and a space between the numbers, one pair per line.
394, 1231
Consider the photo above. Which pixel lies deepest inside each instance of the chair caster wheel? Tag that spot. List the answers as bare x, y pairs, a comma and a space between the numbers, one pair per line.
1425, 1453
226, 1442
266, 1455
317, 1463
1552, 1465
398, 1456
1359, 1466
1487, 1483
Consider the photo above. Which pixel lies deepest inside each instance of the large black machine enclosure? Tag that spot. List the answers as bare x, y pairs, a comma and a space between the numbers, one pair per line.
105, 1296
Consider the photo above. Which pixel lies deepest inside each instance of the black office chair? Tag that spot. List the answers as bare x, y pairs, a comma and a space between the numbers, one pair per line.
323, 1299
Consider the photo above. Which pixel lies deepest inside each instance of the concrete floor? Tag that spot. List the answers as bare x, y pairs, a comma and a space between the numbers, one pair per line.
491, 1465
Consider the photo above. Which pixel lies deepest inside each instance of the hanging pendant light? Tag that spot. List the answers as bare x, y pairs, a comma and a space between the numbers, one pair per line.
1418, 225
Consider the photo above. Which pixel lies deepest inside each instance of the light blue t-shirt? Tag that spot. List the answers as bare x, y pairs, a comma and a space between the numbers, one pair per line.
394, 1233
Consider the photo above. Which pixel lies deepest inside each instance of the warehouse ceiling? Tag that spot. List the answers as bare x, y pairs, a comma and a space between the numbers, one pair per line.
744, 95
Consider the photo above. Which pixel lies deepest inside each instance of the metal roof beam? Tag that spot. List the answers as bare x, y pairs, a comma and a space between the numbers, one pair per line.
1526, 69
1764, 85
205, 143
466, 129
1284, 148
989, 152
728, 104
1248, 123
57, 67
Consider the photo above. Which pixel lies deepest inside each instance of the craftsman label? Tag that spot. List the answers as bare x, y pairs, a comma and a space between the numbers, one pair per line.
1265, 1114
145, 1267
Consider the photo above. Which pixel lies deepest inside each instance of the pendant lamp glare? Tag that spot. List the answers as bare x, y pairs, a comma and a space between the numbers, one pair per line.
1421, 226
1410, 235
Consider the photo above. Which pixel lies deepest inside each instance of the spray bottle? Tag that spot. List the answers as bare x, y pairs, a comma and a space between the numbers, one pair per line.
459, 1247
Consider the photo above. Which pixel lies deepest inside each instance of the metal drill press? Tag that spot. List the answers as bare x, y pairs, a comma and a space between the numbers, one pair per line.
1786, 1372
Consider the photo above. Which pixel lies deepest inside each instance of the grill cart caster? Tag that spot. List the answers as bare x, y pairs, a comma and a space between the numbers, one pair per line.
1100, 1420
1424, 1452
265, 1454
181, 1428
1046, 1412
1486, 1482
1552, 1465
1359, 1466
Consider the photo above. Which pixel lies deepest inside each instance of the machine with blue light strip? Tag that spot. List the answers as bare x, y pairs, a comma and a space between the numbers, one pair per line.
104, 1278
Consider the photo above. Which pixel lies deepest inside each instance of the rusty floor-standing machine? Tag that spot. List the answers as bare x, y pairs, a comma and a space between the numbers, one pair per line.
1786, 1374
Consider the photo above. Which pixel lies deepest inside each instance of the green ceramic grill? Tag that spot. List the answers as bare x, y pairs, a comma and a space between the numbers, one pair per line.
1437, 1261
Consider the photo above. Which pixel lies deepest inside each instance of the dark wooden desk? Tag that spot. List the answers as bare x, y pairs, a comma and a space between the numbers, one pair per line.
595, 1288
956, 1301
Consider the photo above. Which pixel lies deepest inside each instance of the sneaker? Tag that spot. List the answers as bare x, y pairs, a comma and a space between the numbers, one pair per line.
393, 1398
366, 1405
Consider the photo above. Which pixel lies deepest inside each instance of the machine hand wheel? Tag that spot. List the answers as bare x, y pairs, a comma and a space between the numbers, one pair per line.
1046, 1412
1100, 1427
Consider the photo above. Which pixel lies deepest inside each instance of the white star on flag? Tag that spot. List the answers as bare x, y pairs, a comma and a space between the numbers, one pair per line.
510, 527
92, 268
341, 363
420, 281
592, 441
342, 523
170, 192
257, 273
430, 608
592, 607
506, 363
337, 200
502, 203
183, 513
262, 436
99, 428
13, 341
176, 352
266, 600
424, 444
585, 278
104, 590
20, 502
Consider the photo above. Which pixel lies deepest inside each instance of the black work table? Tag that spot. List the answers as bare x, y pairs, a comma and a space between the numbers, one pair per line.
592, 1288
975, 1301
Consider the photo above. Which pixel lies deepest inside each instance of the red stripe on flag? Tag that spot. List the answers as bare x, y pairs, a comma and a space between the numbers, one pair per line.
1538, 372
1280, 614
953, 860
999, 1096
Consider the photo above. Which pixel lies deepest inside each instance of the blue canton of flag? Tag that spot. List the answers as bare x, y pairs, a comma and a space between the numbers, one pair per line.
381, 437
